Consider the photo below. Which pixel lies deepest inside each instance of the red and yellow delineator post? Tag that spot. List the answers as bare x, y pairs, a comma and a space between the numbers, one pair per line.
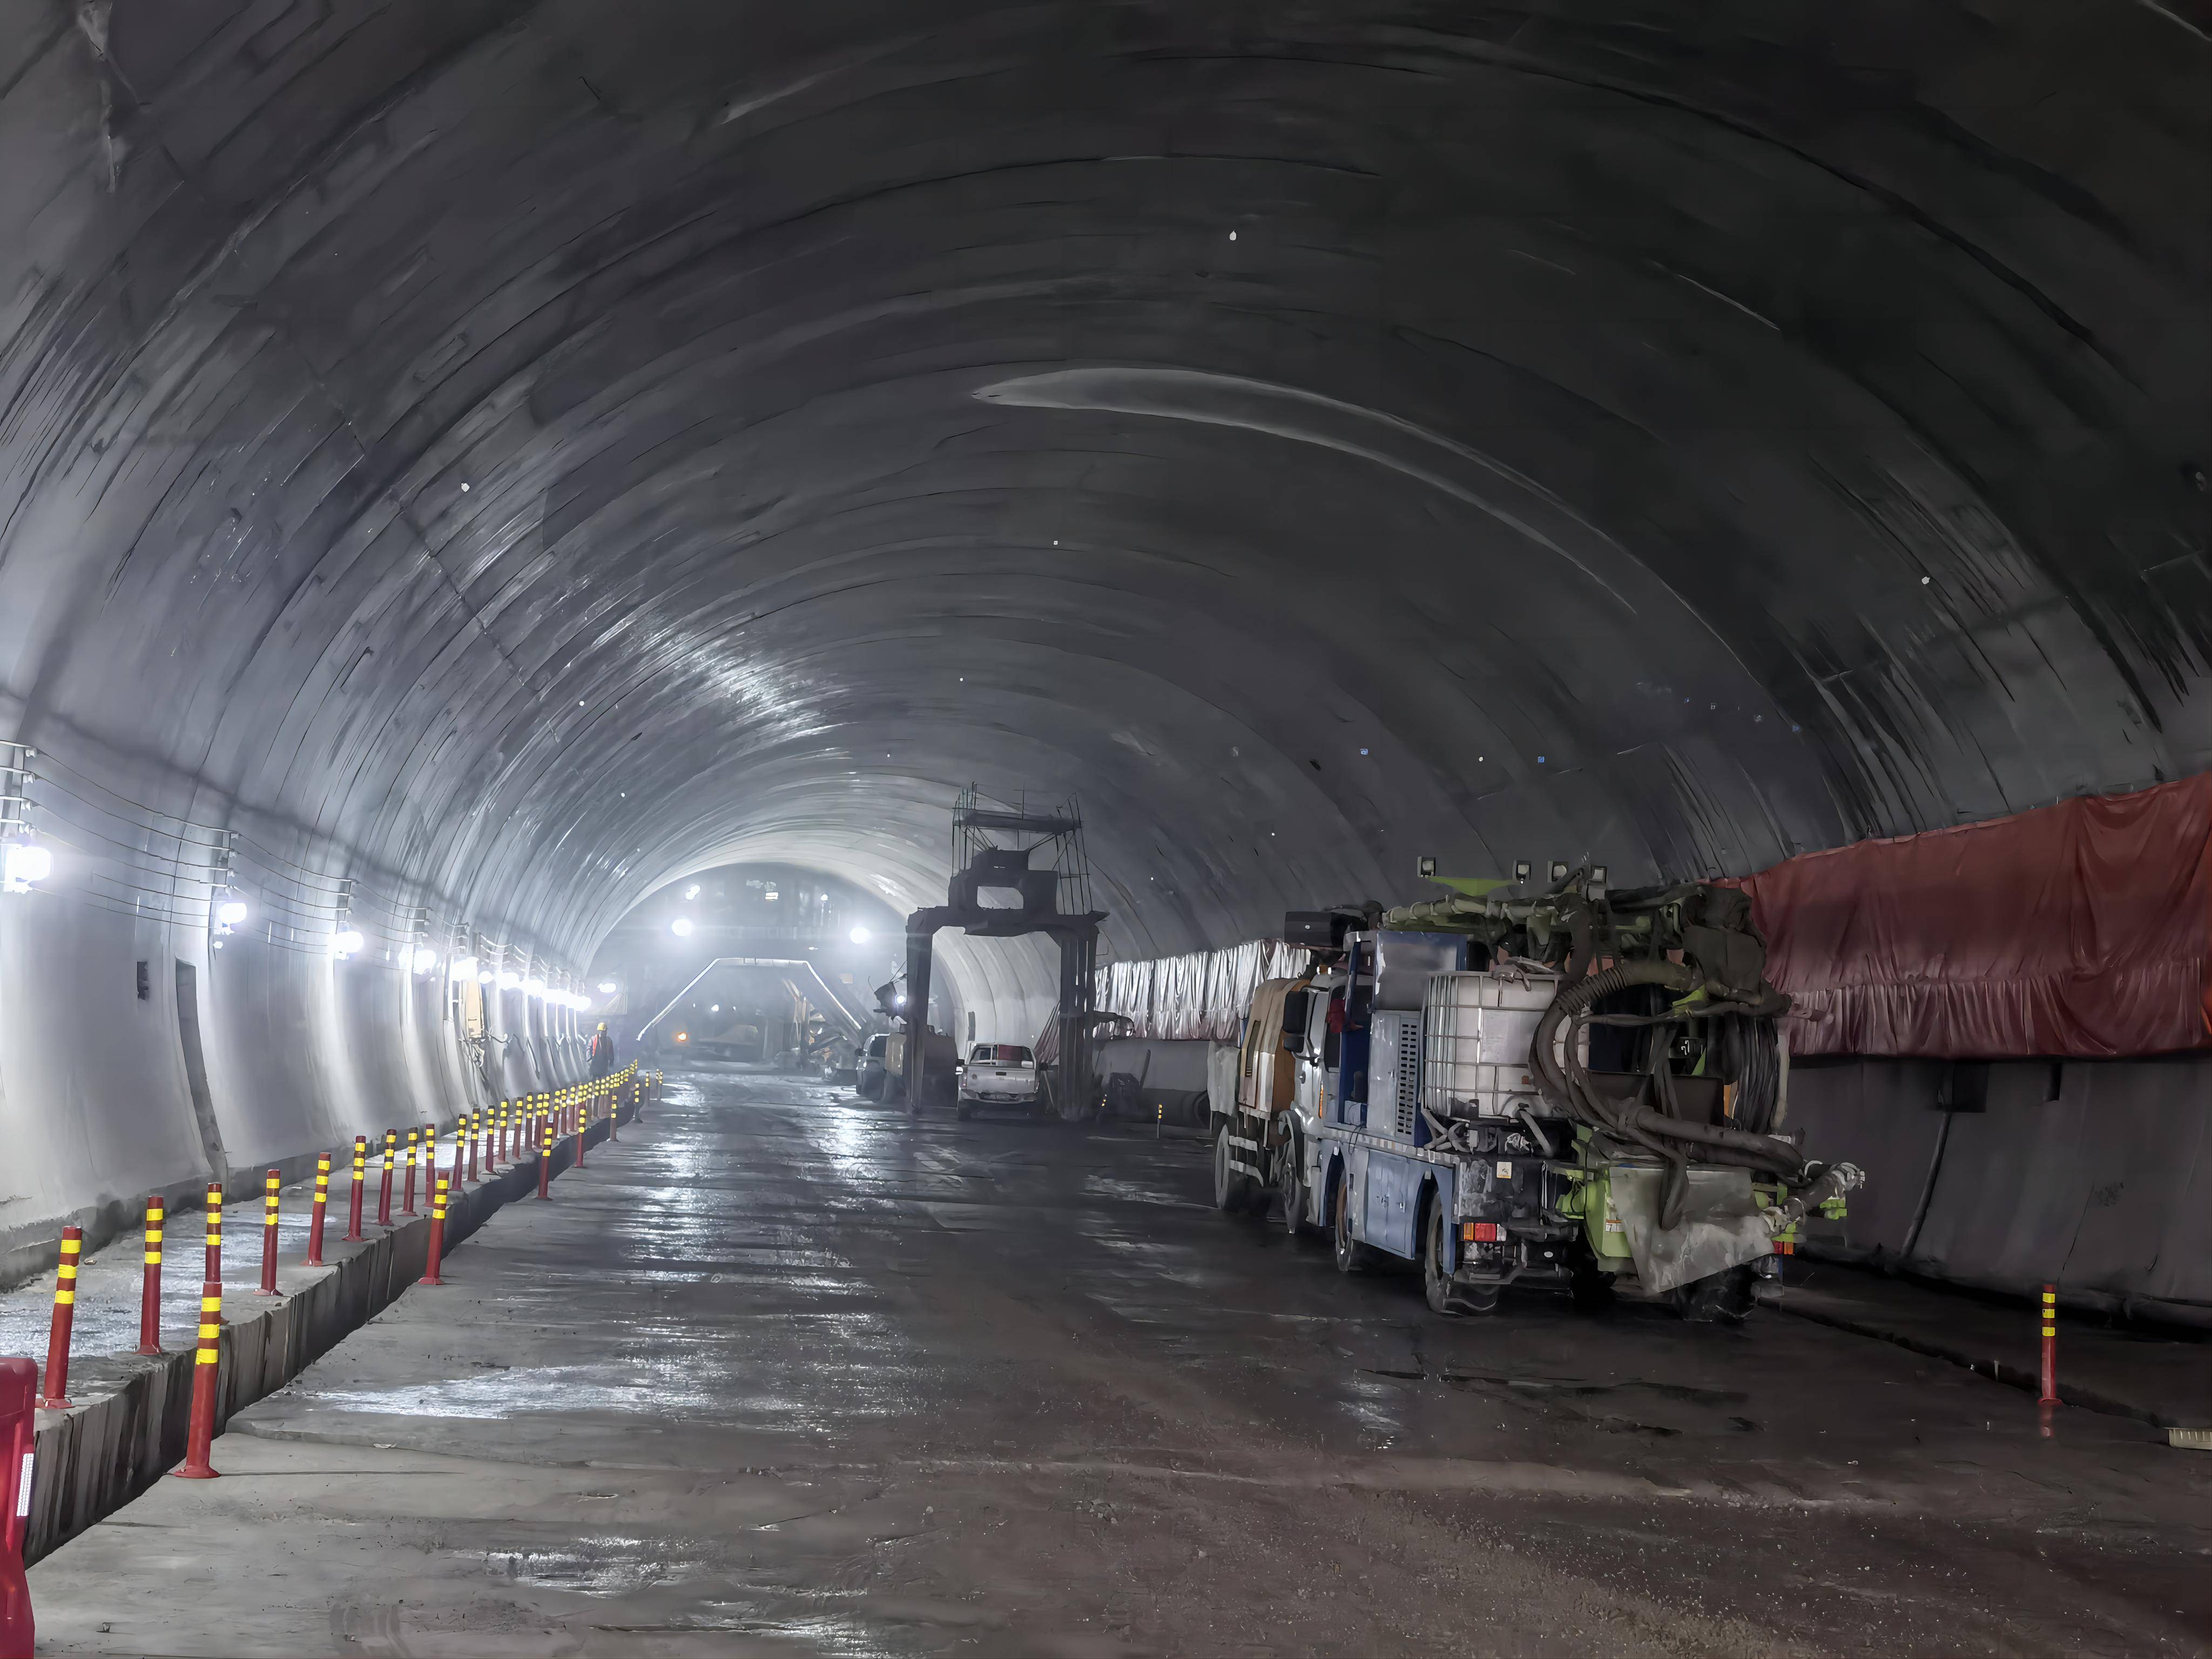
414, 1145
315, 1215
199, 1438
150, 1294
271, 1186
2049, 1394
55, 1396
545, 1163
437, 1231
360, 1179
384, 1192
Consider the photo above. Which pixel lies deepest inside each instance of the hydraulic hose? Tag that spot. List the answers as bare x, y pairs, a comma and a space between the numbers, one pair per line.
1567, 1087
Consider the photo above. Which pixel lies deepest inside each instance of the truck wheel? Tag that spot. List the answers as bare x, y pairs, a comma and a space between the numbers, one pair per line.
1436, 1281
963, 1111
1228, 1184
1723, 1298
1351, 1254
1290, 1190
1591, 1289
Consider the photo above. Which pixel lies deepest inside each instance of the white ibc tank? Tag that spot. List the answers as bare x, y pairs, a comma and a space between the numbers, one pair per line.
1477, 1031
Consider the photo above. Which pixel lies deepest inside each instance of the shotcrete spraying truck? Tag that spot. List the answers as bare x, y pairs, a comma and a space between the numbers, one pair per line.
1566, 1087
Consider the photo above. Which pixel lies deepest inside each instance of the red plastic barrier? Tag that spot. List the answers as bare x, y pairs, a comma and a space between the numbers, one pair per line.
2082, 929
19, 1387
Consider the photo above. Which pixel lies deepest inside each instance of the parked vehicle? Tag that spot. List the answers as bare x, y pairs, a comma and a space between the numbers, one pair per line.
999, 1074
883, 1069
1459, 1088
872, 1073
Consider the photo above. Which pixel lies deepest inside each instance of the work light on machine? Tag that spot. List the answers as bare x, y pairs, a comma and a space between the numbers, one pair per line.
681, 926
608, 987
231, 912
464, 967
346, 942
860, 936
425, 958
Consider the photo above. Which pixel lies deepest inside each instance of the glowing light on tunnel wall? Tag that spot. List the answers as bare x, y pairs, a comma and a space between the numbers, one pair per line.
425, 959
347, 941
464, 967
25, 862
231, 912
860, 936
681, 926
534, 987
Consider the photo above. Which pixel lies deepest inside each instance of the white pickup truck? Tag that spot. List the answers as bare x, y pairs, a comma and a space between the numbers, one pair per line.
998, 1075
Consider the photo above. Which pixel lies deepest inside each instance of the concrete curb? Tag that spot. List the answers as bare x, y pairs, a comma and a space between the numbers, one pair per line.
95, 1458
2012, 1376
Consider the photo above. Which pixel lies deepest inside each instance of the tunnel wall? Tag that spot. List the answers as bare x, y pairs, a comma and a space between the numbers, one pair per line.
299, 1051
2093, 1174
1323, 437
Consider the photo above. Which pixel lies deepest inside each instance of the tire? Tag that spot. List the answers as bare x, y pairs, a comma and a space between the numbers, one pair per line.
1290, 1188
1351, 1254
1435, 1282
1228, 1183
1592, 1289
1723, 1298
963, 1111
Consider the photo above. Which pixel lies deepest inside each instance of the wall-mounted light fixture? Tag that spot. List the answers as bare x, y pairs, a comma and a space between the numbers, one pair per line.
23, 861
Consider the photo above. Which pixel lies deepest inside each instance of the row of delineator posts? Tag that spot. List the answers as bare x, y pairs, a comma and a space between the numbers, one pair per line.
510, 1133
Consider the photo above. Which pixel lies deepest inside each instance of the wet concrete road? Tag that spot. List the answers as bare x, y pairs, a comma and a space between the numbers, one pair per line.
780, 1374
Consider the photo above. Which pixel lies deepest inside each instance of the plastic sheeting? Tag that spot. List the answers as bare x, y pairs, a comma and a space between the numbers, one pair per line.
1202, 996
2082, 929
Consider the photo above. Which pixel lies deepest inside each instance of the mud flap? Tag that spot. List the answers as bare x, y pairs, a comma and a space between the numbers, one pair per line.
1720, 1226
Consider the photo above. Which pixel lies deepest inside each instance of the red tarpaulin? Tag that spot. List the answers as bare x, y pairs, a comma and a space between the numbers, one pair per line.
2082, 929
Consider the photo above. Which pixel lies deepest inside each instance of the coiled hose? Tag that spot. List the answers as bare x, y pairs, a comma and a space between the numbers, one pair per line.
1567, 1085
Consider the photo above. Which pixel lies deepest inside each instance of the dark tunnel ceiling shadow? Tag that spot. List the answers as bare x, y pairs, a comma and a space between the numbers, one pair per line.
533, 449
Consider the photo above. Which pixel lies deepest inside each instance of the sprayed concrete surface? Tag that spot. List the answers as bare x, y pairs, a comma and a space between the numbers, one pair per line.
780, 1374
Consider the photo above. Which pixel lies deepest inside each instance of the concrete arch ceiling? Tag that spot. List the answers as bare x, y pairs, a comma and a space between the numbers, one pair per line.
549, 447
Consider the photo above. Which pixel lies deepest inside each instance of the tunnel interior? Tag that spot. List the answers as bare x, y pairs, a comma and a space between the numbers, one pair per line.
467, 465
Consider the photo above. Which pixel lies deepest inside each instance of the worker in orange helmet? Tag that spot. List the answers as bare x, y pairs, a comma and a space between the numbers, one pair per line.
602, 1051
